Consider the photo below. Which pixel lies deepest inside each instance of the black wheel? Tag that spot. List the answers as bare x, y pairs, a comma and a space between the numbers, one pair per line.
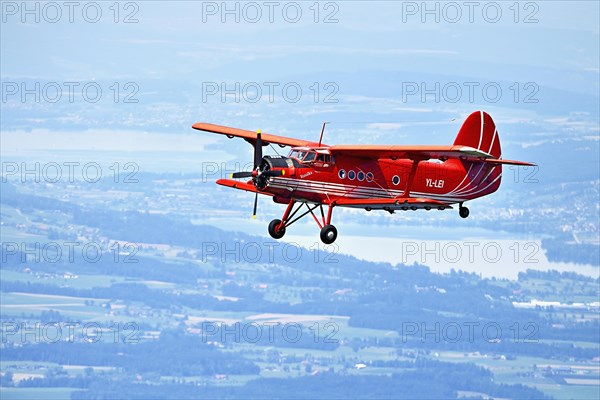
463, 212
328, 234
276, 234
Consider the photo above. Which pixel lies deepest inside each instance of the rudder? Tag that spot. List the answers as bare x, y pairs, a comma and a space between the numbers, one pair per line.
479, 131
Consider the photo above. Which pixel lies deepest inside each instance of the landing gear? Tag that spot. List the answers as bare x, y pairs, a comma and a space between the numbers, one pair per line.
274, 232
328, 231
463, 211
328, 234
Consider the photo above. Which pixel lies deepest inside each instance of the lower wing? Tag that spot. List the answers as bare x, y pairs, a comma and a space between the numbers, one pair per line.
404, 203
240, 185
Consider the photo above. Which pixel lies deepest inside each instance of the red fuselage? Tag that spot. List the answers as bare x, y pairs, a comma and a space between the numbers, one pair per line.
450, 181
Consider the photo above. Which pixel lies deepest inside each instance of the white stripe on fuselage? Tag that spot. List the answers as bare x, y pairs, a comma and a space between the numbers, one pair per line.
354, 191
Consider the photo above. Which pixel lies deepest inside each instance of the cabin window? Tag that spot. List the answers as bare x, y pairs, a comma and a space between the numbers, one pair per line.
351, 175
370, 177
324, 158
396, 180
342, 174
361, 176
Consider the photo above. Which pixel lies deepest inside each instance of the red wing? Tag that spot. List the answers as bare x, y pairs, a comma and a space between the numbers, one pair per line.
395, 203
251, 136
412, 152
240, 185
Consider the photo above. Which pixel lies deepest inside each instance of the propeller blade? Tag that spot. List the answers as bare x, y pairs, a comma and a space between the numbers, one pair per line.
255, 205
268, 173
243, 174
258, 150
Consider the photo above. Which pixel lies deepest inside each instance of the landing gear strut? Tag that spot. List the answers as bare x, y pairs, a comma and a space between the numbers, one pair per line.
328, 231
463, 211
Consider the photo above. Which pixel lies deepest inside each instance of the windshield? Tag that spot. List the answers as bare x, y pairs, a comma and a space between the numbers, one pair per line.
297, 154
310, 156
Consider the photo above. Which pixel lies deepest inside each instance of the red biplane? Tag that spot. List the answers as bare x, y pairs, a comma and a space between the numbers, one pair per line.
372, 177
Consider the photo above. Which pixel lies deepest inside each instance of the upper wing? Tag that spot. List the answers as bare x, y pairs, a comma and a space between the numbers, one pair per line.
419, 152
365, 151
250, 136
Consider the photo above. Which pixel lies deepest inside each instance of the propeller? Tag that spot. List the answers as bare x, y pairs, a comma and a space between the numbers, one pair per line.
255, 205
258, 175
254, 173
270, 173
243, 174
249, 174
257, 161
258, 150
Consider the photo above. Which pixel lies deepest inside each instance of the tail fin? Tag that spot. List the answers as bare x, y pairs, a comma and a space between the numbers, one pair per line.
483, 176
479, 131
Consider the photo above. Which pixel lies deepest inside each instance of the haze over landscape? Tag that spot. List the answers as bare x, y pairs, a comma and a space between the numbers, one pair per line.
128, 273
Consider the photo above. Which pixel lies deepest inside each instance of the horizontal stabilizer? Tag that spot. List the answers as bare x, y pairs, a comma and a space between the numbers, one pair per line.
509, 162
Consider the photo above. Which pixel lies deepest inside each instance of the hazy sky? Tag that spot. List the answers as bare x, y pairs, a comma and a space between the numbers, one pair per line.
370, 51
237, 40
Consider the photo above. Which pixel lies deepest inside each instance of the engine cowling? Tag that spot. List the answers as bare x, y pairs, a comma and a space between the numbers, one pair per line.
270, 164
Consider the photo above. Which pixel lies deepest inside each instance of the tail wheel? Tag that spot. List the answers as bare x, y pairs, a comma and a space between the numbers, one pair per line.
273, 231
463, 212
328, 234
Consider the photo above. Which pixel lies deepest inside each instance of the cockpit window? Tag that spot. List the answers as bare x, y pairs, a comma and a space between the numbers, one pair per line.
310, 156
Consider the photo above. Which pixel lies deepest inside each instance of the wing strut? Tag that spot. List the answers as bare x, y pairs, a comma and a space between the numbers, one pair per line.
411, 176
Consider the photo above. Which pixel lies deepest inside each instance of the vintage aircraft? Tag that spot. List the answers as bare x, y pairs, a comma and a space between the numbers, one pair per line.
373, 177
